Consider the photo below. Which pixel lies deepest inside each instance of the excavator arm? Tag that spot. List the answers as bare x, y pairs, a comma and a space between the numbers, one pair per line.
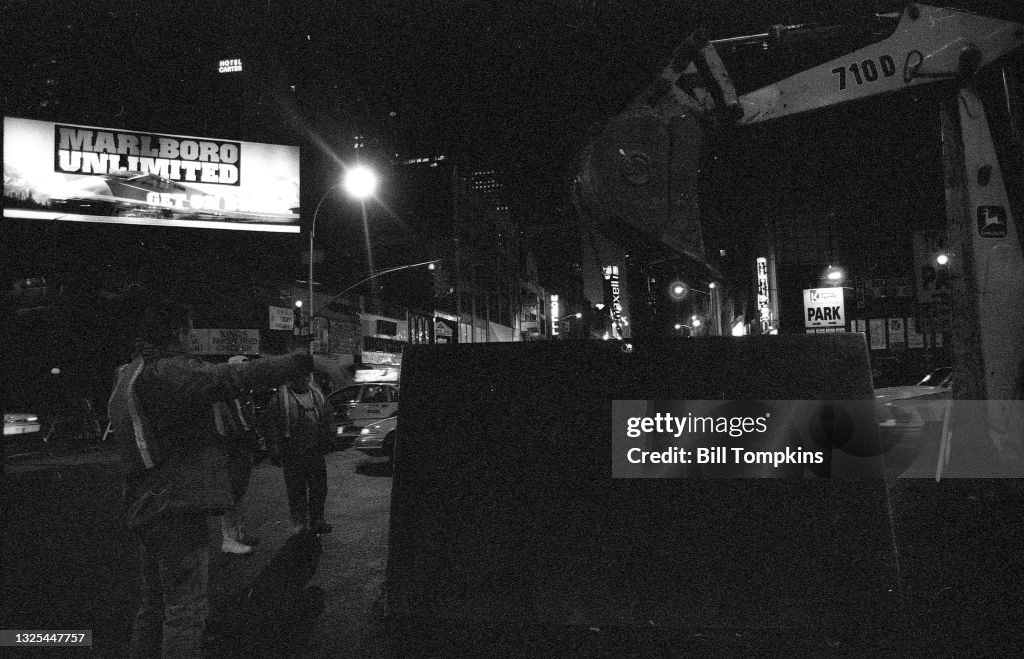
930, 44
637, 179
637, 186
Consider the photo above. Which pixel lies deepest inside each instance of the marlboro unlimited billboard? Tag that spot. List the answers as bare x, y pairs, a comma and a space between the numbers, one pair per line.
55, 171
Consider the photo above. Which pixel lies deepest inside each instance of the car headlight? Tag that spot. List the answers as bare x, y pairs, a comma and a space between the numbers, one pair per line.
364, 431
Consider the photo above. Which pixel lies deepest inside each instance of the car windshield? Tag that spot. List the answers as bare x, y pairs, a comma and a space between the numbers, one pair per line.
346, 395
375, 394
937, 378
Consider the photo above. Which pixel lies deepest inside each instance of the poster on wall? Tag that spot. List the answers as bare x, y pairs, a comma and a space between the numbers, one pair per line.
897, 337
876, 333
72, 173
915, 339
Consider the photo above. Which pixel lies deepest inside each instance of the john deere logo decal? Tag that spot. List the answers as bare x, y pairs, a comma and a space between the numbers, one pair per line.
992, 221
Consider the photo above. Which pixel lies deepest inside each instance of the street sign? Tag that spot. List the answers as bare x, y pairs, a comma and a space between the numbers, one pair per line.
224, 341
318, 256
932, 279
823, 307
281, 318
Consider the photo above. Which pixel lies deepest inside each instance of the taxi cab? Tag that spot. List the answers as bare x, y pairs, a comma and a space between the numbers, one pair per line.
359, 405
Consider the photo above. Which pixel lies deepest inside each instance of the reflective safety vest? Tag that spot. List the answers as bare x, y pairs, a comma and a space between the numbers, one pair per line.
287, 406
137, 443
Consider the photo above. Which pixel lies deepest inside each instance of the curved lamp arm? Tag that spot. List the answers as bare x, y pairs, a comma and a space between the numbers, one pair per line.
374, 276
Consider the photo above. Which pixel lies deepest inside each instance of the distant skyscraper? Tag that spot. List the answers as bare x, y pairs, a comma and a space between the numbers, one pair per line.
485, 184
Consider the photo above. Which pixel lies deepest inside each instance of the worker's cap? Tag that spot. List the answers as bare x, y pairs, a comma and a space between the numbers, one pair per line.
238, 359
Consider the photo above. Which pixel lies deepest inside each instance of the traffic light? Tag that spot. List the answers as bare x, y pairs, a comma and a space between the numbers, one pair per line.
297, 312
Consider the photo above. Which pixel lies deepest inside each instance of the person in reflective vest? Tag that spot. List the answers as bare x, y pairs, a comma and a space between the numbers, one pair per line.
298, 420
175, 475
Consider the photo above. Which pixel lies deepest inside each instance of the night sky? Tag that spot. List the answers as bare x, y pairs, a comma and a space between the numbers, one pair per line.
520, 85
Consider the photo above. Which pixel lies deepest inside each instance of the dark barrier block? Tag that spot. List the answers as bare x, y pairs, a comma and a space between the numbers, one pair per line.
505, 515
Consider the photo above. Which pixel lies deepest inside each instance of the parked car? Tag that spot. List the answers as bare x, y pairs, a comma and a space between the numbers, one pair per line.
359, 405
904, 413
21, 423
378, 438
938, 381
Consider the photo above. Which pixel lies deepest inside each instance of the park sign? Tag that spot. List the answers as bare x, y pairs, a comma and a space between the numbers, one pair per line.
823, 307
71, 173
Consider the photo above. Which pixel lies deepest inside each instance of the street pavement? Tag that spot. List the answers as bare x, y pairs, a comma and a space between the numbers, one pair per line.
67, 564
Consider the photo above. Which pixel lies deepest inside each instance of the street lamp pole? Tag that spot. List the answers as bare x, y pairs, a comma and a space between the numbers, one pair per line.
379, 274
360, 182
716, 308
312, 234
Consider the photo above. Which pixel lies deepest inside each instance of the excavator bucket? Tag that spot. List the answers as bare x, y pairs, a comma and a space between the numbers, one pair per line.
638, 183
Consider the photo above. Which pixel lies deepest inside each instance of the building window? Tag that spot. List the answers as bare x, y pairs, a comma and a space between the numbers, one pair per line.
378, 344
387, 327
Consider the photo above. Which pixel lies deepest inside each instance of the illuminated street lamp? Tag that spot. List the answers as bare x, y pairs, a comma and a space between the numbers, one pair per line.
834, 275
680, 290
681, 326
359, 182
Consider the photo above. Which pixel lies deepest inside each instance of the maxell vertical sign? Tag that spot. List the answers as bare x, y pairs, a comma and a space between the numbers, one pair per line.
823, 307
614, 288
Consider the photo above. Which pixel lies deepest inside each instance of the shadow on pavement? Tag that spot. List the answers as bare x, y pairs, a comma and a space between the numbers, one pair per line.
376, 468
274, 614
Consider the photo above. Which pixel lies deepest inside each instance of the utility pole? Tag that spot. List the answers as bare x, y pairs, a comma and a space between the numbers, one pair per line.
458, 252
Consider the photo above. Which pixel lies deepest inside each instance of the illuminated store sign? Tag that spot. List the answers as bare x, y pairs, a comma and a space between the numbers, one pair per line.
554, 314
763, 295
611, 275
229, 66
